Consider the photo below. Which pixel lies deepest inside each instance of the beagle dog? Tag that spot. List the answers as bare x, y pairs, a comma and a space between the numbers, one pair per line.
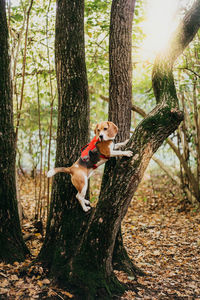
96, 153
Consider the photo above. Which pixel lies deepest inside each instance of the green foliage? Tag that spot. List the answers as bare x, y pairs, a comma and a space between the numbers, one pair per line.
188, 86
40, 44
97, 17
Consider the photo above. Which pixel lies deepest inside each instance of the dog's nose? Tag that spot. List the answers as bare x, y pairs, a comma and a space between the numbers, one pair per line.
101, 137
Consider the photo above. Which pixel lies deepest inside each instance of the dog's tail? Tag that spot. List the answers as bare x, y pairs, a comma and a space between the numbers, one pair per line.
54, 171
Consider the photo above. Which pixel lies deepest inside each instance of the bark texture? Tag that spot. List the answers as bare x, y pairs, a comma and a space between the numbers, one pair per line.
120, 99
67, 220
80, 253
97, 246
120, 63
12, 245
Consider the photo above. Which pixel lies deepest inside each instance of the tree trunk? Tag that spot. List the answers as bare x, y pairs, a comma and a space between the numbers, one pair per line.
12, 245
67, 221
120, 63
120, 100
79, 253
91, 269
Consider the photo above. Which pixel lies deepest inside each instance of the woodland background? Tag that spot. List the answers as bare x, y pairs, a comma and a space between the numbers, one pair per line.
32, 32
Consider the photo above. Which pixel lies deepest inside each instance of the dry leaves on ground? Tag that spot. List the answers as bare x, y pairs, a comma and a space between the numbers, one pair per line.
161, 238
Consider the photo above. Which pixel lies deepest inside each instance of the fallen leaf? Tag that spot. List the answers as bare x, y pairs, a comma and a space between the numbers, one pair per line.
14, 277
67, 294
3, 291
46, 281
4, 283
156, 253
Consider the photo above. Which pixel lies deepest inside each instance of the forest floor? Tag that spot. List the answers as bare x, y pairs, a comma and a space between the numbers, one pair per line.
161, 233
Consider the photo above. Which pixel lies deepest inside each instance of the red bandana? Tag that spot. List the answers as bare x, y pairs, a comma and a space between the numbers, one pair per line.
91, 146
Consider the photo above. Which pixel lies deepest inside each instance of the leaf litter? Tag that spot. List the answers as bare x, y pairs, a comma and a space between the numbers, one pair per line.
161, 232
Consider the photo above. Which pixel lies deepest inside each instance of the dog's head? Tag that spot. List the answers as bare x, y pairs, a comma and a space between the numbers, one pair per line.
106, 131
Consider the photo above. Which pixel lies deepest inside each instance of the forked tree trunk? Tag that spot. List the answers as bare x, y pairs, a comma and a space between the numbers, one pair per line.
12, 246
91, 268
83, 258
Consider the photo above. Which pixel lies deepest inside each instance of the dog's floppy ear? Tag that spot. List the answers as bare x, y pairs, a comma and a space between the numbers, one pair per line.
112, 129
95, 130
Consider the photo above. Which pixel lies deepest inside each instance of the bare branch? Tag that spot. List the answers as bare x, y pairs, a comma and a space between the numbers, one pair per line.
38, 72
23, 70
192, 71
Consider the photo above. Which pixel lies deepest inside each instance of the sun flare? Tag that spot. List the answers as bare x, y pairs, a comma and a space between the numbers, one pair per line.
161, 20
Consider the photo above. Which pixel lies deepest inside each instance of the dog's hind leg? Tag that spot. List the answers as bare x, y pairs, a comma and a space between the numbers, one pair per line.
80, 181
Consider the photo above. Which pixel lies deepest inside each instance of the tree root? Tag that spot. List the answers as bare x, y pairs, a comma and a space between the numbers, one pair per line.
121, 260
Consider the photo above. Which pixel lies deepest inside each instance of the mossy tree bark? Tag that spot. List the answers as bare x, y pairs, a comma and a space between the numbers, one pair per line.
91, 268
12, 246
67, 221
163, 64
80, 253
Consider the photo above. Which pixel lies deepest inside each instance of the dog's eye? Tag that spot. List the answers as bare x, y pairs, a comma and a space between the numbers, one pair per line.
98, 130
105, 128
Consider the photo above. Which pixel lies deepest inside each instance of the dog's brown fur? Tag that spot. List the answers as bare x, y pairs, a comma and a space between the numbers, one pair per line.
105, 132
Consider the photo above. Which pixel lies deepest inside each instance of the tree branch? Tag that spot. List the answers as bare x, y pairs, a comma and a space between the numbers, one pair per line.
139, 110
38, 72
191, 177
133, 108
192, 71
162, 78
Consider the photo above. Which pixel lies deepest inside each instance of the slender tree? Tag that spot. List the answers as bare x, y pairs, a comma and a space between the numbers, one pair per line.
82, 256
12, 245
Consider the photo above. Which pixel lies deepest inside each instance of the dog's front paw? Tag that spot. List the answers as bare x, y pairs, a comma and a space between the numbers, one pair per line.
87, 202
126, 142
128, 153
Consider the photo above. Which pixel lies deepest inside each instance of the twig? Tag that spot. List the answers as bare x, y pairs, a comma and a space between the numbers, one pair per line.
192, 71
23, 70
51, 105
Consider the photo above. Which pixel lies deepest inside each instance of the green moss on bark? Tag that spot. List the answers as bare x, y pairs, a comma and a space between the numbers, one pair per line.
161, 120
91, 283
